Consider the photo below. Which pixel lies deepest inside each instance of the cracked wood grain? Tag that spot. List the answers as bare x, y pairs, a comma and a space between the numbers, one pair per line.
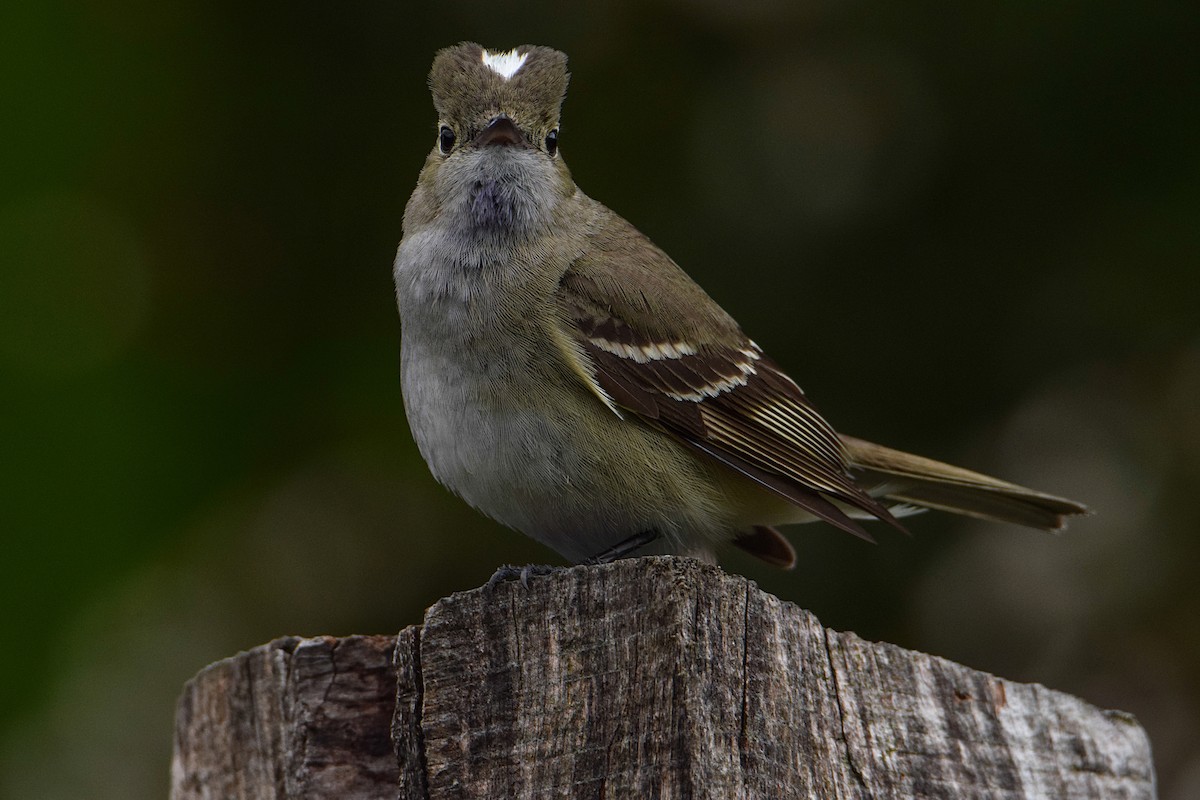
666, 678
293, 718
647, 678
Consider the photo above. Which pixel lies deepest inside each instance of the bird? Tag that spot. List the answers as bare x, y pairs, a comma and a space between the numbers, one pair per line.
564, 376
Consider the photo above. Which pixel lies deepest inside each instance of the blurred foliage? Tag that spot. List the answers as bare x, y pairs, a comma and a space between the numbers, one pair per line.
969, 230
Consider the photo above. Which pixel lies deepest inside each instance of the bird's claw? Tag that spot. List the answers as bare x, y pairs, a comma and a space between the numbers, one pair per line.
523, 573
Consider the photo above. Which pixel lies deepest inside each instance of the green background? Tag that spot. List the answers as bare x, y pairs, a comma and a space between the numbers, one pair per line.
969, 230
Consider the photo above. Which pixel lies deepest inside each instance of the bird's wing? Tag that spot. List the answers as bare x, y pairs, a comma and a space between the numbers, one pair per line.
650, 342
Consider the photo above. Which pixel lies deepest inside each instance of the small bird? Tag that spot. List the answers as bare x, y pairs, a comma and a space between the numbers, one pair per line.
565, 377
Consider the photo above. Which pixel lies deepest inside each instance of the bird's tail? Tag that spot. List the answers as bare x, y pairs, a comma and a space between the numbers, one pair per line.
922, 482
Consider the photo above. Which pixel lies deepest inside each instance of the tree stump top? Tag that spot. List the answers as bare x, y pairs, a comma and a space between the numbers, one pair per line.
654, 677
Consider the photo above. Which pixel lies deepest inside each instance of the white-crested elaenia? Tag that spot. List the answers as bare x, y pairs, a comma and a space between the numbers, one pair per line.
564, 376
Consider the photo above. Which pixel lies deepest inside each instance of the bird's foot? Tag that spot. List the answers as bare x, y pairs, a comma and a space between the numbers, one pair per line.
509, 572
621, 549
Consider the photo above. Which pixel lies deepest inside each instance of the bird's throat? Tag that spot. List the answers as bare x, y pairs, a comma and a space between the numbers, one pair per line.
492, 205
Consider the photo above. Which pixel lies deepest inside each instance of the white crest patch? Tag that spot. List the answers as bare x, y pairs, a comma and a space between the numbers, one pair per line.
504, 64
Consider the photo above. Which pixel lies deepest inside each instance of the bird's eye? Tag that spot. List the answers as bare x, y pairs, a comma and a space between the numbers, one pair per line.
552, 142
445, 140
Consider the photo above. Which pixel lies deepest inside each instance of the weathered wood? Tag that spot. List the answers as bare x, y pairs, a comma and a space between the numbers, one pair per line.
667, 678
294, 718
661, 678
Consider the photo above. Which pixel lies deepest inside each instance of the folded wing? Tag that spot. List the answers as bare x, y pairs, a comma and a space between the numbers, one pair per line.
708, 385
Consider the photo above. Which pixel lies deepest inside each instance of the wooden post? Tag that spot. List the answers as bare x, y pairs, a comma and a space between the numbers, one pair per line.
648, 678
293, 718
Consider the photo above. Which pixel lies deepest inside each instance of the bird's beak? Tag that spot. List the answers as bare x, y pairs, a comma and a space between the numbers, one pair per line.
502, 131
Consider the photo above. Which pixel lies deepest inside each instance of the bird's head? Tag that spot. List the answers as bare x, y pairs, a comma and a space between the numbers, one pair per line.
495, 163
